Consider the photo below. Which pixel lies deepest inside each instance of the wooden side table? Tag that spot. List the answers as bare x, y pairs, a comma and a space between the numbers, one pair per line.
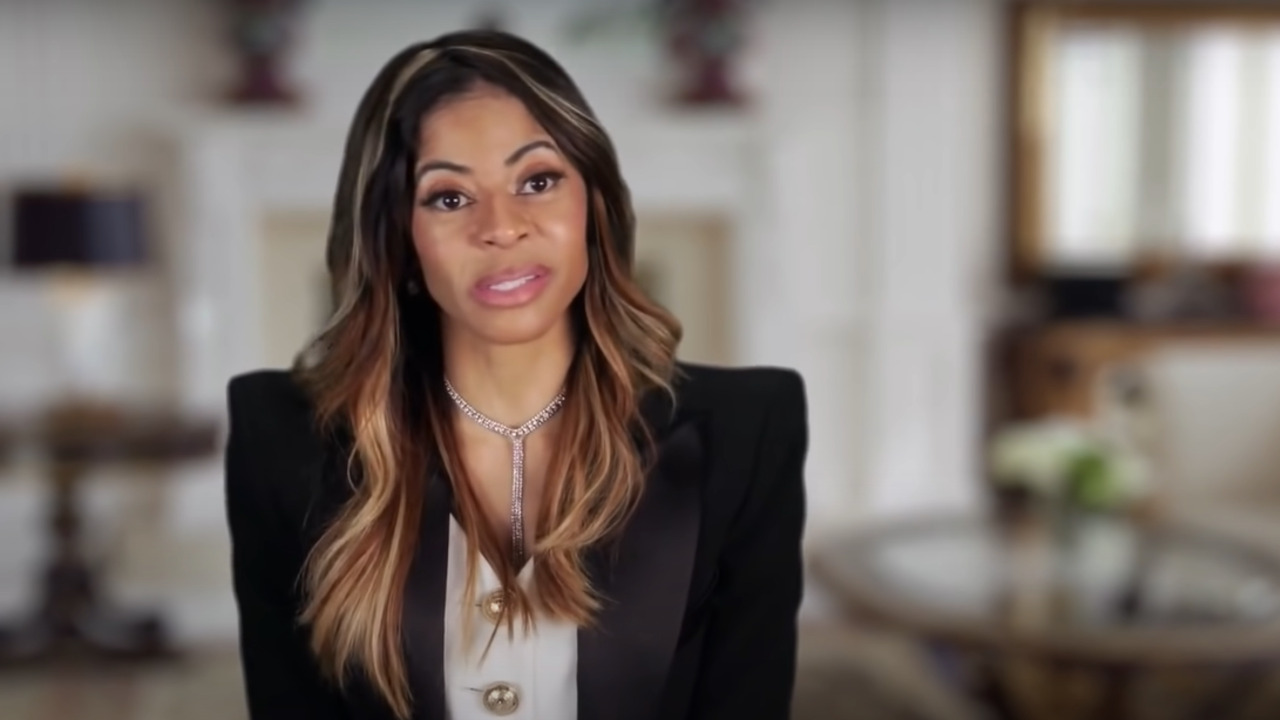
72, 618
1056, 368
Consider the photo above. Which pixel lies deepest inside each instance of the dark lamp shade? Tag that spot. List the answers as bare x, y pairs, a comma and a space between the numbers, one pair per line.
78, 228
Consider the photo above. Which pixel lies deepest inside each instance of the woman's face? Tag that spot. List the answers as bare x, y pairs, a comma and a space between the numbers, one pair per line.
499, 219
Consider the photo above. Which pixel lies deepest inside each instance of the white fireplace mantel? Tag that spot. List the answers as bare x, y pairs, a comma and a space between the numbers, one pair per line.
233, 168
681, 158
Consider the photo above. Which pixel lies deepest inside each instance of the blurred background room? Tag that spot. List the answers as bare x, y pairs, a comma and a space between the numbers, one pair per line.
1025, 254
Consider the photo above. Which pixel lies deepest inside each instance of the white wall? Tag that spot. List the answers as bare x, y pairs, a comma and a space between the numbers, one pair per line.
859, 189
933, 197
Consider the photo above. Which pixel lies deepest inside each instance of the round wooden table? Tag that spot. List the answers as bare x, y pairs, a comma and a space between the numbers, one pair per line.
72, 618
1038, 615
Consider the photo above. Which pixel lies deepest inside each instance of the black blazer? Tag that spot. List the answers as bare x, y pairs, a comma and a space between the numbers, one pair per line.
705, 582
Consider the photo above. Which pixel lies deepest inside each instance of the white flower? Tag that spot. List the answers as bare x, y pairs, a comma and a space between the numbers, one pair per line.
1068, 460
1038, 455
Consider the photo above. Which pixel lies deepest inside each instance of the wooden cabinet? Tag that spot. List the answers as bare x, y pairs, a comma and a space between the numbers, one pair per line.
1055, 369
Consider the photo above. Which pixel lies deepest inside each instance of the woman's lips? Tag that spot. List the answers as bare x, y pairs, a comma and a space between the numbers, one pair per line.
511, 288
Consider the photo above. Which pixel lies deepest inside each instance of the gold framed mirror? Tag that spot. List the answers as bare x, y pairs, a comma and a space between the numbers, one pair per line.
1144, 132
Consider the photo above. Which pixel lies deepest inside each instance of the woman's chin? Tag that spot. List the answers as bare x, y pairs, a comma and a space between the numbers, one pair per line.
518, 327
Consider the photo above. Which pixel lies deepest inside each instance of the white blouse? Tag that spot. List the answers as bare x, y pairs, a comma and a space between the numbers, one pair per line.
528, 676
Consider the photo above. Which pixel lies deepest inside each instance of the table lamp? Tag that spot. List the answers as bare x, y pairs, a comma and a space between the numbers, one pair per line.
76, 235
79, 238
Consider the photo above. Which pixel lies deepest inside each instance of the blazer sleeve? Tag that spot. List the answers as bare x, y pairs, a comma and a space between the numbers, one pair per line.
281, 678
749, 658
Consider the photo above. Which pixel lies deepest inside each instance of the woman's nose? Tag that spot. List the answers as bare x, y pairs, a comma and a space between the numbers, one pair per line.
501, 222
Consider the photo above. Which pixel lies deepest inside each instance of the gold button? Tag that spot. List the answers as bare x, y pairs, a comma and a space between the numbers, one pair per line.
501, 699
491, 606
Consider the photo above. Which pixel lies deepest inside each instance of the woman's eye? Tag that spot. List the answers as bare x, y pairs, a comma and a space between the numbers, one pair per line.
447, 201
540, 183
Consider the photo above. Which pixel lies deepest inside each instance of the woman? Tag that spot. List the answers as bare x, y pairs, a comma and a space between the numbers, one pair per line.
488, 488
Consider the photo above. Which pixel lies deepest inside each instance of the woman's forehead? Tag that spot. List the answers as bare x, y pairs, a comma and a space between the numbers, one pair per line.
483, 116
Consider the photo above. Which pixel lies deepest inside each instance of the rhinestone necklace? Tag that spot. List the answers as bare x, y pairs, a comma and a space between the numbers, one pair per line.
516, 436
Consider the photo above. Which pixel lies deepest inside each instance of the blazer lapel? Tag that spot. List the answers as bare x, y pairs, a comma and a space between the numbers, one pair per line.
424, 603
644, 577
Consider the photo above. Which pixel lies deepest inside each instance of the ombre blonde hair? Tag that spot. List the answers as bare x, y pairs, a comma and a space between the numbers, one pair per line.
376, 370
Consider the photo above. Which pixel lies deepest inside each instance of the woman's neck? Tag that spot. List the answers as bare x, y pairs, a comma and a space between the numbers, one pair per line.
508, 383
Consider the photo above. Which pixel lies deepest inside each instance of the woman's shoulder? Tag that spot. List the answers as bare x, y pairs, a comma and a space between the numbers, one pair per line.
756, 437
275, 393
274, 445
742, 392
274, 412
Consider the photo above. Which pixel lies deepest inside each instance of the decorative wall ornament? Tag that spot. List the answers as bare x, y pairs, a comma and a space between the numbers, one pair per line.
263, 32
706, 38
702, 40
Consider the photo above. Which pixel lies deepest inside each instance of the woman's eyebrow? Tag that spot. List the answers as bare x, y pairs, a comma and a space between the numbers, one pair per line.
527, 148
523, 150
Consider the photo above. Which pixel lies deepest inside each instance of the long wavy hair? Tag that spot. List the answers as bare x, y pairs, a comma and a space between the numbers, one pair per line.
375, 372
